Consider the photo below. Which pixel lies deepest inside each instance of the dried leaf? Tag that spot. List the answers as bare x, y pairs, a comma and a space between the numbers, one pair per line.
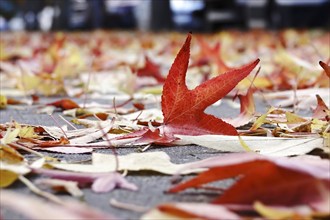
3, 102
322, 111
325, 67
190, 211
101, 182
183, 109
66, 150
7, 177
272, 146
61, 185
151, 69
35, 208
270, 178
64, 104
153, 161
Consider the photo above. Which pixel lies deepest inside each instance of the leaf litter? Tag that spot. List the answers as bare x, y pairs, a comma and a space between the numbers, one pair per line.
175, 118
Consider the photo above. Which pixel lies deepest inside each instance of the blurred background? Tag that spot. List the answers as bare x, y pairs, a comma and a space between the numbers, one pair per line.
162, 15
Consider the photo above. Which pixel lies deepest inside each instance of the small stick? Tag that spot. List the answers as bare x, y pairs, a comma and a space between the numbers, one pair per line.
127, 206
87, 84
58, 125
110, 145
38, 191
26, 149
66, 121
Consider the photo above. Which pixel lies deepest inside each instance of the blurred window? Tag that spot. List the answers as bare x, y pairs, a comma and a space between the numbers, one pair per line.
300, 2
186, 5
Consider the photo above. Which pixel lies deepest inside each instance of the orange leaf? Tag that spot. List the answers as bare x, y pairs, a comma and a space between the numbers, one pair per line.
322, 111
325, 67
64, 104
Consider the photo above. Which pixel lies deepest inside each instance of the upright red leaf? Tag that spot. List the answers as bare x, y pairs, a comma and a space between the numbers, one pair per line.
326, 68
183, 109
322, 111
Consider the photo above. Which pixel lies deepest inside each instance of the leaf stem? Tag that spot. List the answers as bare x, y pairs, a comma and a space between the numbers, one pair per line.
38, 191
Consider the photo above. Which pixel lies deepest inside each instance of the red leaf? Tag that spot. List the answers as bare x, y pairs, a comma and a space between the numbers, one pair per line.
62, 141
247, 109
325, 67
155, 137
151, 69
322, 110
64, 104
183, 109
212, 54
197, 211
146, 136
266, 179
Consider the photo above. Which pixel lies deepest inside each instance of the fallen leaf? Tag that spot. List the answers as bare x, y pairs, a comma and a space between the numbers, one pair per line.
321, 111
61, 185
183, 109
3, 102
212, 55
276, 212
152, 161
305, 98
10, 136
269, 177
35, 208
64, 104
151, 69
247, 110
12, 164
272, 146
101, 182
66, 150
110, 182
190, 211
325, 67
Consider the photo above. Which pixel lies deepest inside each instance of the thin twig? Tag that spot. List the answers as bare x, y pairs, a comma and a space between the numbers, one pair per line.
66, 121
58, 125
127, 206
114, 105
146, 148
86, 88
111, 146
38, 191
97, 117
26, 149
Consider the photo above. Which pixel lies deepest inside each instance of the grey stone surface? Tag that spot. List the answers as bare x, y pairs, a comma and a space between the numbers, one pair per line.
152, 186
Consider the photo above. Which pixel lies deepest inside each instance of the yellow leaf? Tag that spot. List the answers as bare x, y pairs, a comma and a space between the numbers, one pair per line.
29, 82
261, 120
10, 136
244, 145
293, 118
274, 213
7, 178
10, 155
3, 101
155, 90
318, 126
26, 131
157, 214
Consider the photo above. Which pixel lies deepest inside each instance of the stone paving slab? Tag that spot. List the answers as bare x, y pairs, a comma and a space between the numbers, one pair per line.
152, 186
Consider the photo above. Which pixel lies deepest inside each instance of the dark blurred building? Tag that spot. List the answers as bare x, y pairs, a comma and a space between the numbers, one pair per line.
157, 15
